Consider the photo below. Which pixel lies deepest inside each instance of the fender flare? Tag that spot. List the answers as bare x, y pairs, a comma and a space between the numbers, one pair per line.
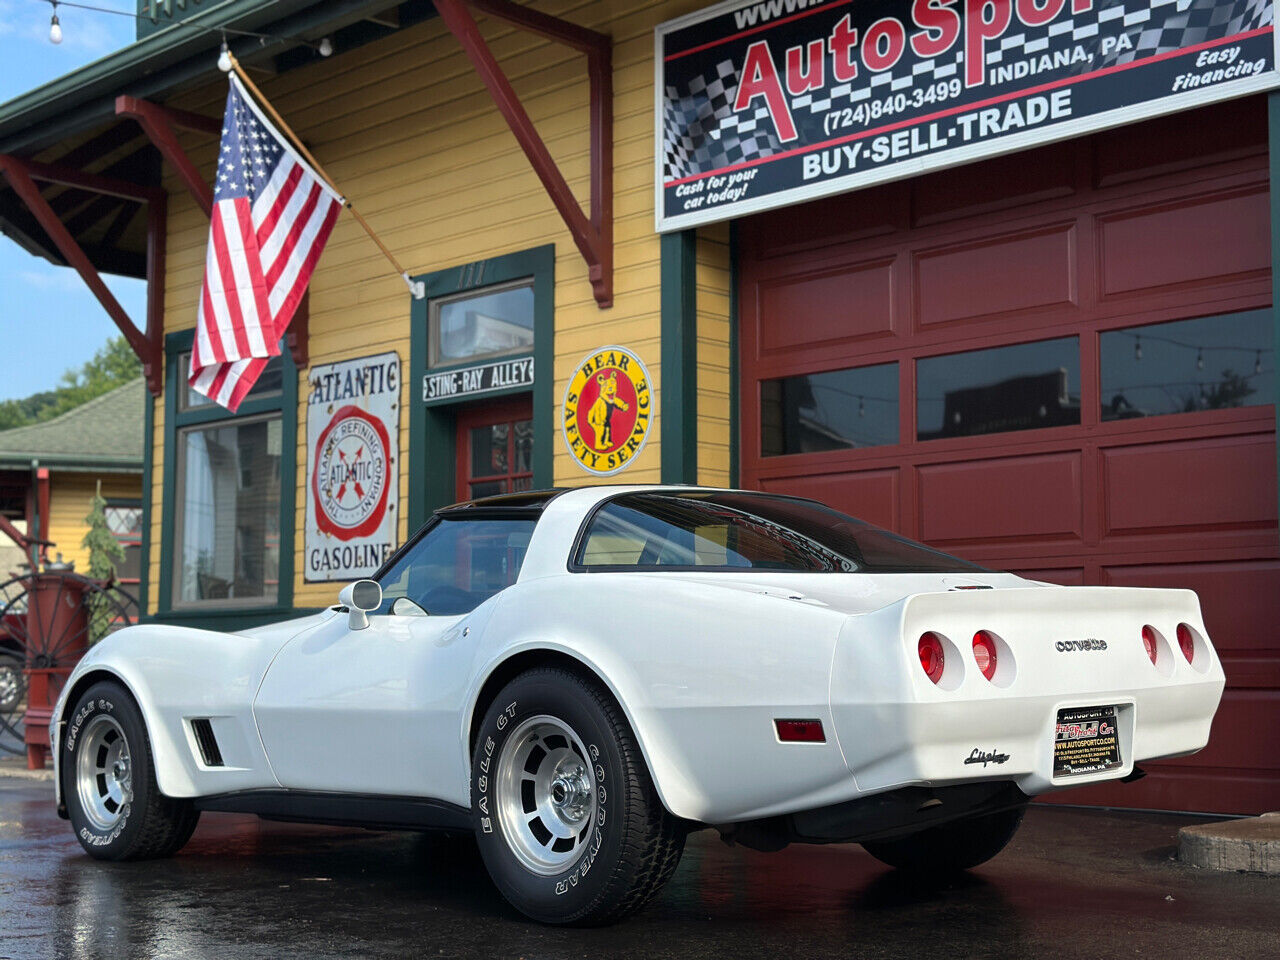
555, 650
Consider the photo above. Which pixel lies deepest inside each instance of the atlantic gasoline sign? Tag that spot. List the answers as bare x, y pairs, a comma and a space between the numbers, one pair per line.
353, 430
608, 410
773, 102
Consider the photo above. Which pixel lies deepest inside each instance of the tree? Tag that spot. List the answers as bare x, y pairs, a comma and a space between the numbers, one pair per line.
104, 553
114, 365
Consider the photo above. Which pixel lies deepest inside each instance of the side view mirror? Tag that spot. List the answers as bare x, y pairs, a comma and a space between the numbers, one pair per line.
359, 598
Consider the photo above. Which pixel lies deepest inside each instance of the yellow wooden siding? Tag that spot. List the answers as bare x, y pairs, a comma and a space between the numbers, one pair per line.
409, 133
713, 280
70, 499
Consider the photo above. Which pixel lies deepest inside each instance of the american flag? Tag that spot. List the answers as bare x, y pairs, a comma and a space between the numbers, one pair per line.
271, 217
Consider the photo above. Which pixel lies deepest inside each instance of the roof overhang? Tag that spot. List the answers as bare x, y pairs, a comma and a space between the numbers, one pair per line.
166, 60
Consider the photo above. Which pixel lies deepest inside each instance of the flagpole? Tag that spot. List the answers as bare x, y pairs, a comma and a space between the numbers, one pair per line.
418, 288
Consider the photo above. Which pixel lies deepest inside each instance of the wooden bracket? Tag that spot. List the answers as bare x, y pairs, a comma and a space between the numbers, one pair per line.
158, 124
149, 346
593, 235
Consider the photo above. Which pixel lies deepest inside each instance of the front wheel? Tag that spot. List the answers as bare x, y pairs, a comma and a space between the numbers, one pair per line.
109, 782
950, 847
568, 821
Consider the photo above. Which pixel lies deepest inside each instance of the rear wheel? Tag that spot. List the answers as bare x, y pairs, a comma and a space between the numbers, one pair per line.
950, 847
108, 780
567, 819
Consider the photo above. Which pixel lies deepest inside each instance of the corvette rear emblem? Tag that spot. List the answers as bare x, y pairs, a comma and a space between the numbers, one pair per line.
1080, 646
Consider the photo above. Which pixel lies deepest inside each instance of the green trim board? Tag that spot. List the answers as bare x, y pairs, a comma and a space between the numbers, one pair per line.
432, 456
286, 404
735, 421
1273, 159
148, 457
679, 394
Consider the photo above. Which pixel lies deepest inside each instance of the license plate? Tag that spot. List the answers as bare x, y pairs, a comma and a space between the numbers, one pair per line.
1087, 740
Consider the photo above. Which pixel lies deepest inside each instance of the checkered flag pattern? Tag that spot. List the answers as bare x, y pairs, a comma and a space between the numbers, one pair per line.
701, 132
1193, 22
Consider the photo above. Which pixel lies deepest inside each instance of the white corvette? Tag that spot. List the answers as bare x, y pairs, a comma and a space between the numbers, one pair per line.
583, 677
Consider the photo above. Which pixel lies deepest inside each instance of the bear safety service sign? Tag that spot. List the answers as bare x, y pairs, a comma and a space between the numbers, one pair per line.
608, 409
353, 466
772, 102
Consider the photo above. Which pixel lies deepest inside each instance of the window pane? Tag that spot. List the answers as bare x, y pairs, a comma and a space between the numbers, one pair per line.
490, 324
124, 520
228, 524
1020, 387
130, 568
1209, 363
489, 450
837, 410
270, 382
523, 446
745, 531
458, 565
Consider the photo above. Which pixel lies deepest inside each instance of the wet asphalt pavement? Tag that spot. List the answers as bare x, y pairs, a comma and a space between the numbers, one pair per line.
1074, 883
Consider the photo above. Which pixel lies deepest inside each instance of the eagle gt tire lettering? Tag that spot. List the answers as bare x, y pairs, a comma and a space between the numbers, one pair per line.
109, 782
566, 816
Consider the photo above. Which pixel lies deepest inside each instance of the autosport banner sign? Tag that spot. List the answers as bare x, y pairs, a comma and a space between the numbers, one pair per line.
353, 457
772, 102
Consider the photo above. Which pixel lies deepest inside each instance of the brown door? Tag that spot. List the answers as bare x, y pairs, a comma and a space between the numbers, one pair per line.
1057, 363
495, 448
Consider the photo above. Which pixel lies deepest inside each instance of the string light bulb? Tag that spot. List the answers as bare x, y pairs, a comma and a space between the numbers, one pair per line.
1257, 363
1137, 347
224, 58
1199, 358
326, 47
55, 28
862, 409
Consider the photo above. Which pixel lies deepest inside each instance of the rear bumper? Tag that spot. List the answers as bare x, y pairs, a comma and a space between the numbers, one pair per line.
1012, 739
1059, 649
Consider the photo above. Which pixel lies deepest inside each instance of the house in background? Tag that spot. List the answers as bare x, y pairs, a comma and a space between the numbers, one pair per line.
50, 471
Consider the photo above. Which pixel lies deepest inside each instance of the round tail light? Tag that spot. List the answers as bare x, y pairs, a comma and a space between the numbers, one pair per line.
1187, 642
1149, 641
984, 653
932, 656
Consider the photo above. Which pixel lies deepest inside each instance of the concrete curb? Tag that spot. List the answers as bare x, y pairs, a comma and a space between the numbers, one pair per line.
22, 773
1251, 845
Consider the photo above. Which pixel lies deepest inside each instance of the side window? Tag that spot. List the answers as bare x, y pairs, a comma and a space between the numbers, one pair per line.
458, 565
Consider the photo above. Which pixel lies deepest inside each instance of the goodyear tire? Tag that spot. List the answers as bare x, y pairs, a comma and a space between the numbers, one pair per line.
567, 819
109, 783
950, 847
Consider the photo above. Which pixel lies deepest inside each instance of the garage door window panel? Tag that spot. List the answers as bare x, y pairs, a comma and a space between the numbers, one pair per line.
1188, 366
835, 410
1024, 386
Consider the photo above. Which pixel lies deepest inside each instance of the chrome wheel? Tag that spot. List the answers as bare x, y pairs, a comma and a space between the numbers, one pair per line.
545, 794
104, 774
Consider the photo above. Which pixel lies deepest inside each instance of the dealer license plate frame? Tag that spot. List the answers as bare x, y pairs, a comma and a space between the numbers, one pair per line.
1087, 741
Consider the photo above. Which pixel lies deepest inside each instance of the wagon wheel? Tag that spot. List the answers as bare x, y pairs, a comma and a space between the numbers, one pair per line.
27, 643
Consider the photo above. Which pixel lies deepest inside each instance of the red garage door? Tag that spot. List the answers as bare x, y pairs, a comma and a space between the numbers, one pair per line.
1058, 363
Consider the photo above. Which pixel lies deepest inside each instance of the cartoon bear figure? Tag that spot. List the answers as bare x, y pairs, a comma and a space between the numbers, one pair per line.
600, 416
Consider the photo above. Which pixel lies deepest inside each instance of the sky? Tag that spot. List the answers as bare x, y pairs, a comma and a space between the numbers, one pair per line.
47, 311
